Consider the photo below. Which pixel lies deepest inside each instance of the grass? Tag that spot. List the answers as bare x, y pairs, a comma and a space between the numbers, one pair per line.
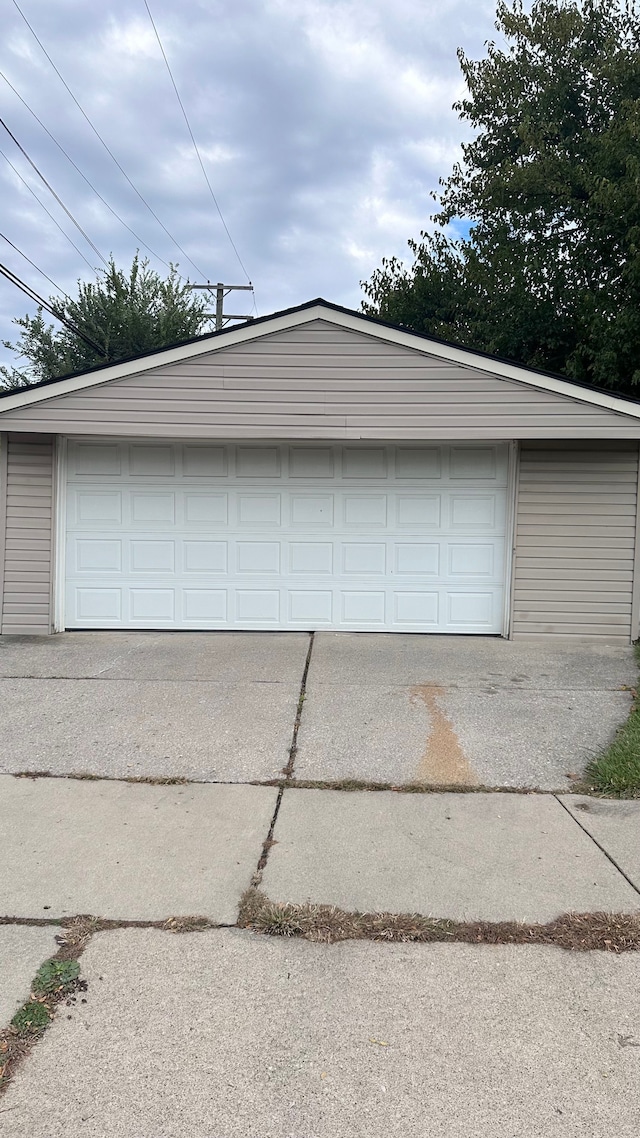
615, 773
326, 924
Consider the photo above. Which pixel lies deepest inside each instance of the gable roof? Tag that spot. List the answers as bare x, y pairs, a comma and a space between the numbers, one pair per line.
347, 318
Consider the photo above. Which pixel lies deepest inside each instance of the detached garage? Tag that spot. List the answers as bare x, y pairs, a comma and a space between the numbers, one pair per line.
319, 469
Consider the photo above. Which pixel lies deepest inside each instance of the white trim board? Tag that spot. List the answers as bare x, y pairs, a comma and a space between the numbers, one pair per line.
350, 320
59, 533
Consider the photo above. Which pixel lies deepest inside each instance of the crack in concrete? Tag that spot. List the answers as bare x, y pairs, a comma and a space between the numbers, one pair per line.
443, 760
287, 771
595, 841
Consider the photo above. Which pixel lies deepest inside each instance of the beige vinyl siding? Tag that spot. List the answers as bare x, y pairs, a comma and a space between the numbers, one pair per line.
320, 381
575, 540
28, 540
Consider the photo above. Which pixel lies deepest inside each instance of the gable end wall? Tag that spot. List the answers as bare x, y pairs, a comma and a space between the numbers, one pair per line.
320, 381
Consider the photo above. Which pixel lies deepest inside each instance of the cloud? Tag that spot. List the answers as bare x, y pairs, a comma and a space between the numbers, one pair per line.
323, 125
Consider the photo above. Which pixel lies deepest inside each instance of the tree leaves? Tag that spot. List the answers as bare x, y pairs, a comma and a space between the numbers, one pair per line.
549, 191
125, 313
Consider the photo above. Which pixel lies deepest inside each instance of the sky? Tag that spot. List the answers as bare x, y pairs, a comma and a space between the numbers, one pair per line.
323, 127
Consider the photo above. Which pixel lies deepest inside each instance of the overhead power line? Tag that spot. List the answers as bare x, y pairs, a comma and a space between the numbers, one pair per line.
47, 211
82, 174
33, 295
195, 144
33, 264
104, 144
53, 192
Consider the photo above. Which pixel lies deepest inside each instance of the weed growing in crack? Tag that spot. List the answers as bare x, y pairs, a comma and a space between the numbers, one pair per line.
55, 975
55, 981
31, 1019
583, 932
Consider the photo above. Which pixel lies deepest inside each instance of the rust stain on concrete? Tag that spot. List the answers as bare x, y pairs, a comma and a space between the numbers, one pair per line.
443, 762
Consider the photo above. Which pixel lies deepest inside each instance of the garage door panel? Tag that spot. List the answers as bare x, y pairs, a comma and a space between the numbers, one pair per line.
97, 506
419, 607
205, 509
95, 459
364, 462
311, 462
205, 607
311, 511
234, 538
473, 463
149, 507
419, 510
204, 461
146, 459
309, 608
99, 605
97, 555
418, 462
417, 558
204, 557
310, 557
258, 462
470, 608
259, 509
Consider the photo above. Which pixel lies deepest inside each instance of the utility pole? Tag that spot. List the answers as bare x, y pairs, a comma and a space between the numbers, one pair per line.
222, 290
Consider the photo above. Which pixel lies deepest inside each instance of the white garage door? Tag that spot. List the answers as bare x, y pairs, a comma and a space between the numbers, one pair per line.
372, 537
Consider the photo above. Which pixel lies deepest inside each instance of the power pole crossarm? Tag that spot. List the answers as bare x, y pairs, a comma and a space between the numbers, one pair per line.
221, 290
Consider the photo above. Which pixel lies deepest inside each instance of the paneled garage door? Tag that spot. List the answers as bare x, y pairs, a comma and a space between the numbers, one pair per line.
372, 537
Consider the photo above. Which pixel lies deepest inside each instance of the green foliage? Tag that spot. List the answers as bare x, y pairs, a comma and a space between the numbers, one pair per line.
54, 975
616, 772
122, 313
32, 1018
546, 198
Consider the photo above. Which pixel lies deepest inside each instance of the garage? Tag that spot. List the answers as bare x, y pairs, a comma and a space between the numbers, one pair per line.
246, 536
320, 469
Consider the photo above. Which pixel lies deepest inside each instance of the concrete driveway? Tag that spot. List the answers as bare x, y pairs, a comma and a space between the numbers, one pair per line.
398, 709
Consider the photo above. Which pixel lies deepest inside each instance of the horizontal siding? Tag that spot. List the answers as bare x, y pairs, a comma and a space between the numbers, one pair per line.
575, 540
320, 381
28, 550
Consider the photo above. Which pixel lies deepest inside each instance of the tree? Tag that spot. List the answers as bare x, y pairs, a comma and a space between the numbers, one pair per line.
122, 313
547, 195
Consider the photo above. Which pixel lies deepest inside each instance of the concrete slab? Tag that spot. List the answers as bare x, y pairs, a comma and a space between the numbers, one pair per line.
442, 736
117, 728
464, 856
128, 851
460, 710
615, 826
226, 657
228, 1034
472, 662
22, 951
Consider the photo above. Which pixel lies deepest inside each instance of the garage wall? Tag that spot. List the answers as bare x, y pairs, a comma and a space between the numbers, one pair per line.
576, 539
320, 381
26, 524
